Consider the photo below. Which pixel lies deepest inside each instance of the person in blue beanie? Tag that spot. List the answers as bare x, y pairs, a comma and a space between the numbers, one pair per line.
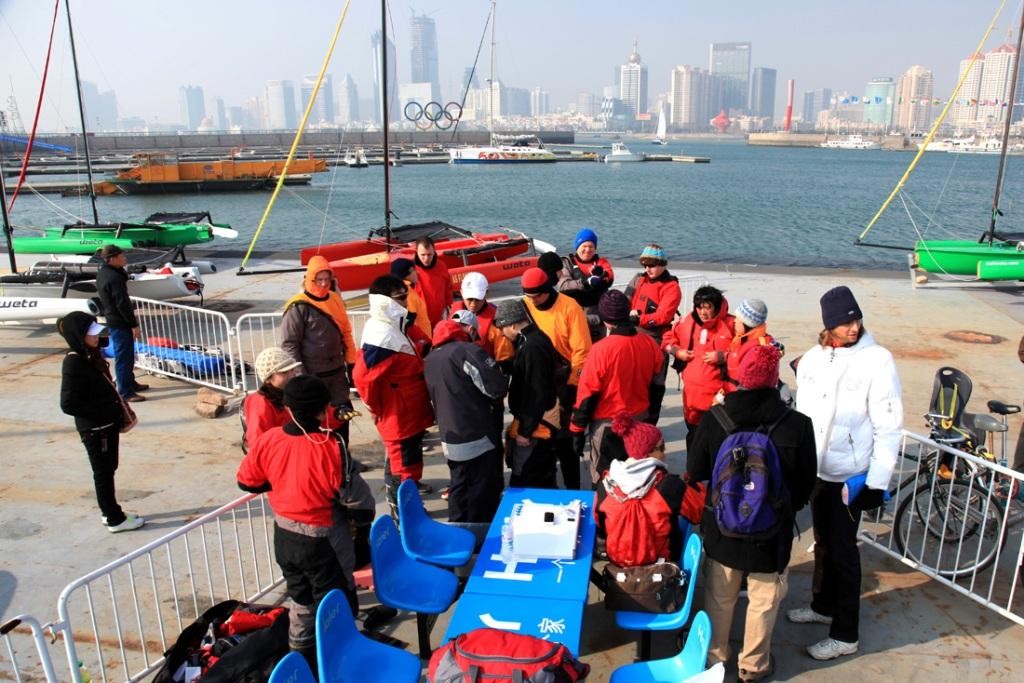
585, 276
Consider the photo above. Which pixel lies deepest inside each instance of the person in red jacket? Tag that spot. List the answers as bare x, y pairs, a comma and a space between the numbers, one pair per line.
389, 378
433, 282
305, 473
585, 276
654, 298
638, 501
750, 327
264, 408
699, 343
617, 377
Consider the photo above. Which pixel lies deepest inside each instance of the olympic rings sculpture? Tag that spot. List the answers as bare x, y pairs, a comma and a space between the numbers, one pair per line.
433, 114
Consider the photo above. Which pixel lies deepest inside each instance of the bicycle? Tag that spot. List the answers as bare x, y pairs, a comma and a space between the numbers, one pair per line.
961, 506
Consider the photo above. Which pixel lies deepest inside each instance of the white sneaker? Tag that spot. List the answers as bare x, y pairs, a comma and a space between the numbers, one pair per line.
130, 523
830, 648
806, 615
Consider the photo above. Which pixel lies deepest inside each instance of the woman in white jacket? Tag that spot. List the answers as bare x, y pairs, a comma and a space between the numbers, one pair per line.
848, 386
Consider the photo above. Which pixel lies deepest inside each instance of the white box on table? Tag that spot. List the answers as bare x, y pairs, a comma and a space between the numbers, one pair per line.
546, 530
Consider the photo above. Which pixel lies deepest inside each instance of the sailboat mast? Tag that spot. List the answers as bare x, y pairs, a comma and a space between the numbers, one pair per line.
386, 124
81, 115
1006, 131
8, 235
490, 105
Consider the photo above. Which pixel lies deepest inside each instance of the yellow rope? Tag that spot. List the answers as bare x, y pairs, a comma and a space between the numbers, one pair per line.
935, 126
298, 134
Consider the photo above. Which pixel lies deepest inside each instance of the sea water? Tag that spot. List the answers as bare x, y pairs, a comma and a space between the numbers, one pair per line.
769, 206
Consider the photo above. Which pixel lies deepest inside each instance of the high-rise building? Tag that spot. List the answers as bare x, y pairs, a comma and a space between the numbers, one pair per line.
378, 106
100, 108
255, 108
517, 102
762, 92
964, 113
690, 98
348, 100
423, 56
730, 62
814, 102
633, 85
586, 103
539, 102
236, 118
220, 114
323, 109
994, 90
879, 96
913, 107
280, 105
191, 106
470, 80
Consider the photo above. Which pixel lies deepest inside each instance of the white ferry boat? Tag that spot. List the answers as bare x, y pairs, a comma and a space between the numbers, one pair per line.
947, 144
851, 142
504, 149
621, 153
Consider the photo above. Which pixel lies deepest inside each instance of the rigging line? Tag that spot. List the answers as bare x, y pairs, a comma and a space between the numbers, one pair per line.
906, 196
32, 67
469, 81
938, 201
39, 109
925, 243
330, 191
935, 126
298, 134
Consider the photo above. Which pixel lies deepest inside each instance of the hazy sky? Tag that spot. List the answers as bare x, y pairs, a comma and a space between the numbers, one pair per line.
145, 49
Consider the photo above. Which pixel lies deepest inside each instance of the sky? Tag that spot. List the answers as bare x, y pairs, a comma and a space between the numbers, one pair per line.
145, 49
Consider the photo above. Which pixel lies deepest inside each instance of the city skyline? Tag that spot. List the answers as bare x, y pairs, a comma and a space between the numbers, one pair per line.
147, 86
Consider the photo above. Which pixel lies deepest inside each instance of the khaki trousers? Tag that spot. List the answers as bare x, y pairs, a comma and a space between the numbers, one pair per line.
764, 592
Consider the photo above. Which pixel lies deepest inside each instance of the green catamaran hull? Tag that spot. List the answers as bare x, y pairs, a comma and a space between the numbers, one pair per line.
997, 261
86, 239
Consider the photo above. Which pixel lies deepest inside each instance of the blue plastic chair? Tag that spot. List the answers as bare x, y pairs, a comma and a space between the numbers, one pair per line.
345, 654
690, 661
292, 669
405, 583
674, 621
427, 540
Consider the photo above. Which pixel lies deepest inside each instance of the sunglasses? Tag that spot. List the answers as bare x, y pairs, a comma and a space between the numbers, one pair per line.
401, 296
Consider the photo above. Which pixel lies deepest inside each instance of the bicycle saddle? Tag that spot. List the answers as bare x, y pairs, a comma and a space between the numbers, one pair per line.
1002, 408
987, 423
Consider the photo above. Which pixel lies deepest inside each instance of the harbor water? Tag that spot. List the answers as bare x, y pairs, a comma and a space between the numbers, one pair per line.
750, 205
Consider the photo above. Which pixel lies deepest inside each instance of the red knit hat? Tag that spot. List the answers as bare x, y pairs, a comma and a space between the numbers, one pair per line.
759, 368
640, 438
534, 281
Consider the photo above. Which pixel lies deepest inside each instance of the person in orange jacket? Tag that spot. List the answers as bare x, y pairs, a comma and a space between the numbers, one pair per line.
619, 376
698, 344
474, 300
433, 281
563, 321
316, 331
750, 327
389, 377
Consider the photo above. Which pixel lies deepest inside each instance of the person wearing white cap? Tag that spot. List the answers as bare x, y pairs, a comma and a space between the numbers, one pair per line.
474, 299
88, 393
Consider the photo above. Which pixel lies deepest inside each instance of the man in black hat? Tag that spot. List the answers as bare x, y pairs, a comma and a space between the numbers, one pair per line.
112, 287
307, 474
532, 398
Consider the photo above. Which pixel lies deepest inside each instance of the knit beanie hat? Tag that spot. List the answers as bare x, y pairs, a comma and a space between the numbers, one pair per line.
653, 255
510, 312
271, 360
838, 307
585, 235
752, 312
401, 267
535, 281
640, 438
759, 368
550, 262
474, 286
306, 395
613, 307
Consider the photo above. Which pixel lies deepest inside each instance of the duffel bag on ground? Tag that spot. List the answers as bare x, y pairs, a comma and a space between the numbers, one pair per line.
487, 655
658, 588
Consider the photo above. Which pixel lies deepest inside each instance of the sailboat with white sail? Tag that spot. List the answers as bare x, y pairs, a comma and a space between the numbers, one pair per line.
661, 137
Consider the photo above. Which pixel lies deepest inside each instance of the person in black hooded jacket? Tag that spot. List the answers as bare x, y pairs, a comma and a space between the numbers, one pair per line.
763, 562
87, 392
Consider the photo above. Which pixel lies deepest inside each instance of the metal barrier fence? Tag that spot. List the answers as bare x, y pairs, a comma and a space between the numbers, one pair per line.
187, 343
963, 529
119, 619
34, 665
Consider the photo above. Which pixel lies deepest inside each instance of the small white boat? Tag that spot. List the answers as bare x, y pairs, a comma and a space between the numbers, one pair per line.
621, 153
947, 144
851, 142
25, 309
78, 281
356, 159
661, 137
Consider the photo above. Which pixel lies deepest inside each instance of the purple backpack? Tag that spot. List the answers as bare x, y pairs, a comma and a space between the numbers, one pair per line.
748, 495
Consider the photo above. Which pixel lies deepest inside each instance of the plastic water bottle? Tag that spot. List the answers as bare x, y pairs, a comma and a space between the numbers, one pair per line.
506, 540
83, 674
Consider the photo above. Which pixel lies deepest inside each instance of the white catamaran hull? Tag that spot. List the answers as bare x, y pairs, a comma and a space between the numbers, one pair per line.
25, 309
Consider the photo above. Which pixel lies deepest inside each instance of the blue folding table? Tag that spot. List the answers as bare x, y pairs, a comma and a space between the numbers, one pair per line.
543, 598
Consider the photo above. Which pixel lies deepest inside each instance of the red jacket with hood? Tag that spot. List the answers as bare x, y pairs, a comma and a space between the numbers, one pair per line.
701, 381
435, 286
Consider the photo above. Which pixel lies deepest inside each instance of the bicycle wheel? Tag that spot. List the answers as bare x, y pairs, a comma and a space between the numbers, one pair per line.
950, 527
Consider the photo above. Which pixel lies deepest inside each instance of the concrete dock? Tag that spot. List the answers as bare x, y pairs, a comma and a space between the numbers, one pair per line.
176, 466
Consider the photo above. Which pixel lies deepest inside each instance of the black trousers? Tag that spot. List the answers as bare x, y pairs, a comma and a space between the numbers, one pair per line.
533, 466
310, 567
476, 487
836, 590
102, 447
